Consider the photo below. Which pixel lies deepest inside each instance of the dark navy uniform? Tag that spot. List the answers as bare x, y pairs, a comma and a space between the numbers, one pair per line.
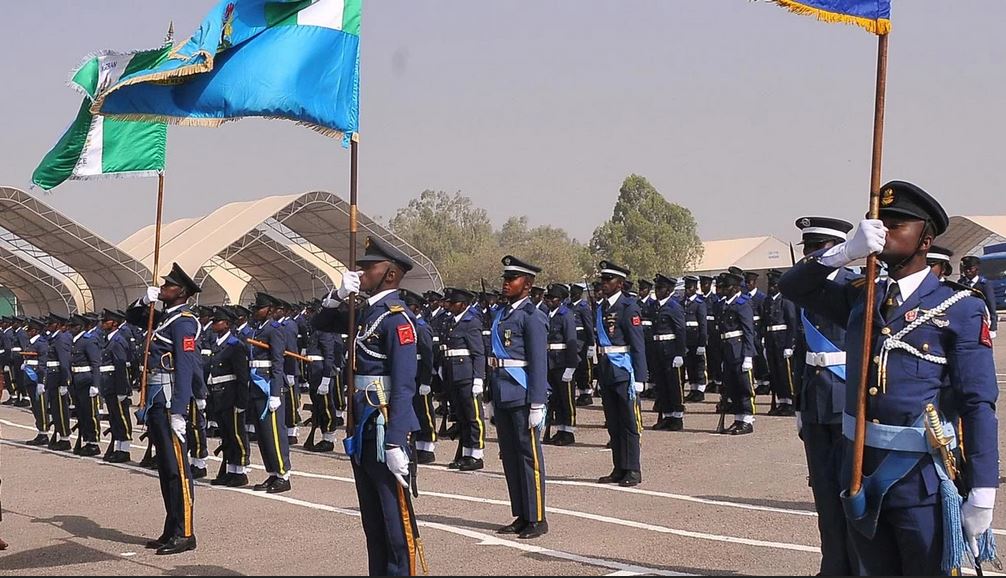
85, 365
761, 369
464, 369
779, 326
519, 382
228, 384
696, 338
669, 349
57, 382
33, 370
291, 374
268, 380
563, 359
426, 437
6, 342
115, 390
714, 350
981, 284
622, 364
585, 340
325, 349
735, 320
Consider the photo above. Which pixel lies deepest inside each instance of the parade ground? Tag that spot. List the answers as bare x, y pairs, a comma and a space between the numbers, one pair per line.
708, 504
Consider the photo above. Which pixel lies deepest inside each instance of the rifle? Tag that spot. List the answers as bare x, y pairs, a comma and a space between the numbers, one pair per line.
264, 345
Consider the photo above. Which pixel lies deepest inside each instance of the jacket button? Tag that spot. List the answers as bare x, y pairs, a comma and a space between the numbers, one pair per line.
925, 348
876, 421
876, 359
873, 391
885, 331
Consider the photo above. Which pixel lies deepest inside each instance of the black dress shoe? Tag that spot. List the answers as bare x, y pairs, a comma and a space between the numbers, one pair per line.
732, 427
39, 440
237, 481
339, 422
614, 477
424, 457
534, 530
515, 527
177, 545
22, 403
565, 438
61, 445
743, 429
547, 439
584, 399
221, 480
773, 411
785, 410
148, 462
278, 486
90, 450
265, 485
676, 424
292, 440
323, 446
118, 457
470, 464
197, 473
763, 390
8, 401
455, 465
631, 478
157, 543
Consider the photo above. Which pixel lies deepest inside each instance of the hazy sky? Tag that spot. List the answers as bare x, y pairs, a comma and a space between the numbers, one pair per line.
748, 115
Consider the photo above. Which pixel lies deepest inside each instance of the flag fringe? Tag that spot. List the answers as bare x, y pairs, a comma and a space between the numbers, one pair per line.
205, 66
879, 27
116, 175
217, 122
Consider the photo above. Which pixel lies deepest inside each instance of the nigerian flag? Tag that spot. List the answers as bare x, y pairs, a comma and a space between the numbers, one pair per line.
94, 146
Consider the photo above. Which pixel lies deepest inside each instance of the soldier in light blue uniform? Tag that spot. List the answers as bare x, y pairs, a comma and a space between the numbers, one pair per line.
971, 277
57, 382
821, 402
174, 371
382, 407
621, 373
519, 382
35, 355
563, 359
115, 387
931, 345
266, 395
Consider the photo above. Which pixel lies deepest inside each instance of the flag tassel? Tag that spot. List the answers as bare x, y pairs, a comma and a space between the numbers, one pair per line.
880, 26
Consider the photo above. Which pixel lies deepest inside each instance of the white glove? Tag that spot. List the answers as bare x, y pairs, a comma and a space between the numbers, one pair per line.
700, 350
63, 390
350, 284
592, 352
121, 398
678, 361
290, 381
567, 374
40, 389
477, 387
323, 386
92, 391
398, 464
329, 303
975, 520
200, 404
151, 295
868, 238
424, 389
992, 334
178, 426
787, 353
273, 403
638, 386
536, 417
747, 364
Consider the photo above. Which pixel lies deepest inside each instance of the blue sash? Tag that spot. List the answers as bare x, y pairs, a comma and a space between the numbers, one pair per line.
262, 384
818, 343
30, 374
353, 445
623, 360
519, 374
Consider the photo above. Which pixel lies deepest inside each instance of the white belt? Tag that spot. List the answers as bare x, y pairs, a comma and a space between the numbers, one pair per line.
215, 379
757, 317
578, 328
81, 369
731, 334
419, 357
691, 323
369, 382
556, 346
315, 358
782, 327
52, 364
665, 337
259, 363
31, 362
613, 349
825, 358
206, 352
647, 323
436, 339
15, 349
710, 318
487, 333
106, 368
3, 351
457, 353
497, 362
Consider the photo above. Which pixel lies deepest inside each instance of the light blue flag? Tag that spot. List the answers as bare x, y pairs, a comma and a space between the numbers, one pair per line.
292, 59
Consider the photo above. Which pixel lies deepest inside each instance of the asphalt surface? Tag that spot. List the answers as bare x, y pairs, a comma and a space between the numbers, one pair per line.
709, 504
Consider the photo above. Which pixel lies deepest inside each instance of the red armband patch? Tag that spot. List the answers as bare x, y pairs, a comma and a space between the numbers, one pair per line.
189, 344
406, 335
986, 337
637, 321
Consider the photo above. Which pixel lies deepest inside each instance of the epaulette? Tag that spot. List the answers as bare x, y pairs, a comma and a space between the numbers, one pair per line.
187, 313
961, 287
563, 309
858, 283
233, 340
275, 323
742, 299
396, 308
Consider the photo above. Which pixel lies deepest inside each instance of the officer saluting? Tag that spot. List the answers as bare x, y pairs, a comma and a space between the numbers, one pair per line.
174, 369
931, 362
384, 388
519, 384
621, 373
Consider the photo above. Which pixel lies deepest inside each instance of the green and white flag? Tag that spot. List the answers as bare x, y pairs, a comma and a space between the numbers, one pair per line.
98, 147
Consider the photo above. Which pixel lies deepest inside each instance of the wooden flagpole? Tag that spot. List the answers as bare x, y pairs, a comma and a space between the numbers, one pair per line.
351, 345
153, 304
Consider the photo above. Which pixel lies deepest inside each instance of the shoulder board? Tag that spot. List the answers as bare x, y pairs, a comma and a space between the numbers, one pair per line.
858, 282
233, 340
960, 287
396, 308
563, 310
275, 323
187, 313
742, 299
700, 299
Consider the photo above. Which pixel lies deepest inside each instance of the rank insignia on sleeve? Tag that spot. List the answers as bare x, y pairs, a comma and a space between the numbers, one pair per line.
636, 320
986, 336
406, 335
189, 344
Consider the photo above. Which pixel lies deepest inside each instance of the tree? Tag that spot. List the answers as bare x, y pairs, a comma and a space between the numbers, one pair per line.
646, 233
551, 248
